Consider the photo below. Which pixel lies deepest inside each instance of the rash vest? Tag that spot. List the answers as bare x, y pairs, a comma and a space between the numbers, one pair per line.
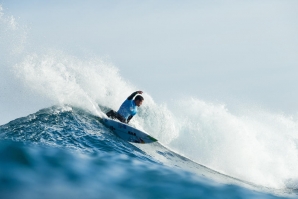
128, 107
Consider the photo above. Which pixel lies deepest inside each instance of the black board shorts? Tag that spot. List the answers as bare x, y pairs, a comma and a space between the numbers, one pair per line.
114, 115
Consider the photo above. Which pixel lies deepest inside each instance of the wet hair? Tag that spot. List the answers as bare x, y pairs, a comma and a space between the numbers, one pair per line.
139, 98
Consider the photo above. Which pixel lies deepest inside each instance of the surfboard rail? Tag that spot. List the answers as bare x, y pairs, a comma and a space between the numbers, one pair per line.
127, 132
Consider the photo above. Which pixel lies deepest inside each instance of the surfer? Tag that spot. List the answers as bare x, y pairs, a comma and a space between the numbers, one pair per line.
128, 108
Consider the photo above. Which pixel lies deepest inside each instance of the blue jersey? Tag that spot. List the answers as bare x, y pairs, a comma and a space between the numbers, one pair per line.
128, 108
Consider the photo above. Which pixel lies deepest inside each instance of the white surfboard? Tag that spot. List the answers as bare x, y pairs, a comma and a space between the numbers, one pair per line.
127, 132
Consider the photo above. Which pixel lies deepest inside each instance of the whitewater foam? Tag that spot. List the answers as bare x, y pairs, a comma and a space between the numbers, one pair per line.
256, 146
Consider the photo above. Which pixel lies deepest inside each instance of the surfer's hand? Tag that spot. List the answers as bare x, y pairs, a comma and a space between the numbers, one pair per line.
140, 92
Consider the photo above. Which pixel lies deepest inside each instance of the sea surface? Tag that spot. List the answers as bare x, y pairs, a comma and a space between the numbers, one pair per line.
65, 152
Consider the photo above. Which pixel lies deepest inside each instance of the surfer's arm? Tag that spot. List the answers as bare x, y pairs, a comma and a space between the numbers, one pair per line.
134, 94
129, 118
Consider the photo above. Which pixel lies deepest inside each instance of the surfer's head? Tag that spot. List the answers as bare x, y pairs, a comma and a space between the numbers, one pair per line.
139, 100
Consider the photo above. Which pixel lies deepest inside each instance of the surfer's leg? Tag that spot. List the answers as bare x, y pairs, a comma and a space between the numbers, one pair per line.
111, 114
120, 118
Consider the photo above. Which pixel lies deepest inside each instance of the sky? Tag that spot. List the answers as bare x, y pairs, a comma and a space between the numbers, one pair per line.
240, 53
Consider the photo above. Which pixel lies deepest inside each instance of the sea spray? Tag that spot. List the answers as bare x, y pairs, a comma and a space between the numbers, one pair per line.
68, 80
12, 36
255, 145
65, 79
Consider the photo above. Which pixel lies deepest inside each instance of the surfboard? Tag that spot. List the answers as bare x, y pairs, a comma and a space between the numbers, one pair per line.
127, 132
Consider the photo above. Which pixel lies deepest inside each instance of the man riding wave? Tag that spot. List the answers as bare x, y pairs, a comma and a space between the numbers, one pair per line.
128, 109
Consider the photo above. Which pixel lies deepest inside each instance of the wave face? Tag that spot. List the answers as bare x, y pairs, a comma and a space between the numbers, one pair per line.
65, 152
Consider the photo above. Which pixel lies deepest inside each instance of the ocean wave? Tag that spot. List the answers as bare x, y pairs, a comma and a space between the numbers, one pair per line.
64, 151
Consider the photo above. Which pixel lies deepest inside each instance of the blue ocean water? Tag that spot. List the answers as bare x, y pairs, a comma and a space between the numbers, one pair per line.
65, 152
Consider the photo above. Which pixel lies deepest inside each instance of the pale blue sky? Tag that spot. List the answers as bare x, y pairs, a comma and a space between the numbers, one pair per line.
235, 52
